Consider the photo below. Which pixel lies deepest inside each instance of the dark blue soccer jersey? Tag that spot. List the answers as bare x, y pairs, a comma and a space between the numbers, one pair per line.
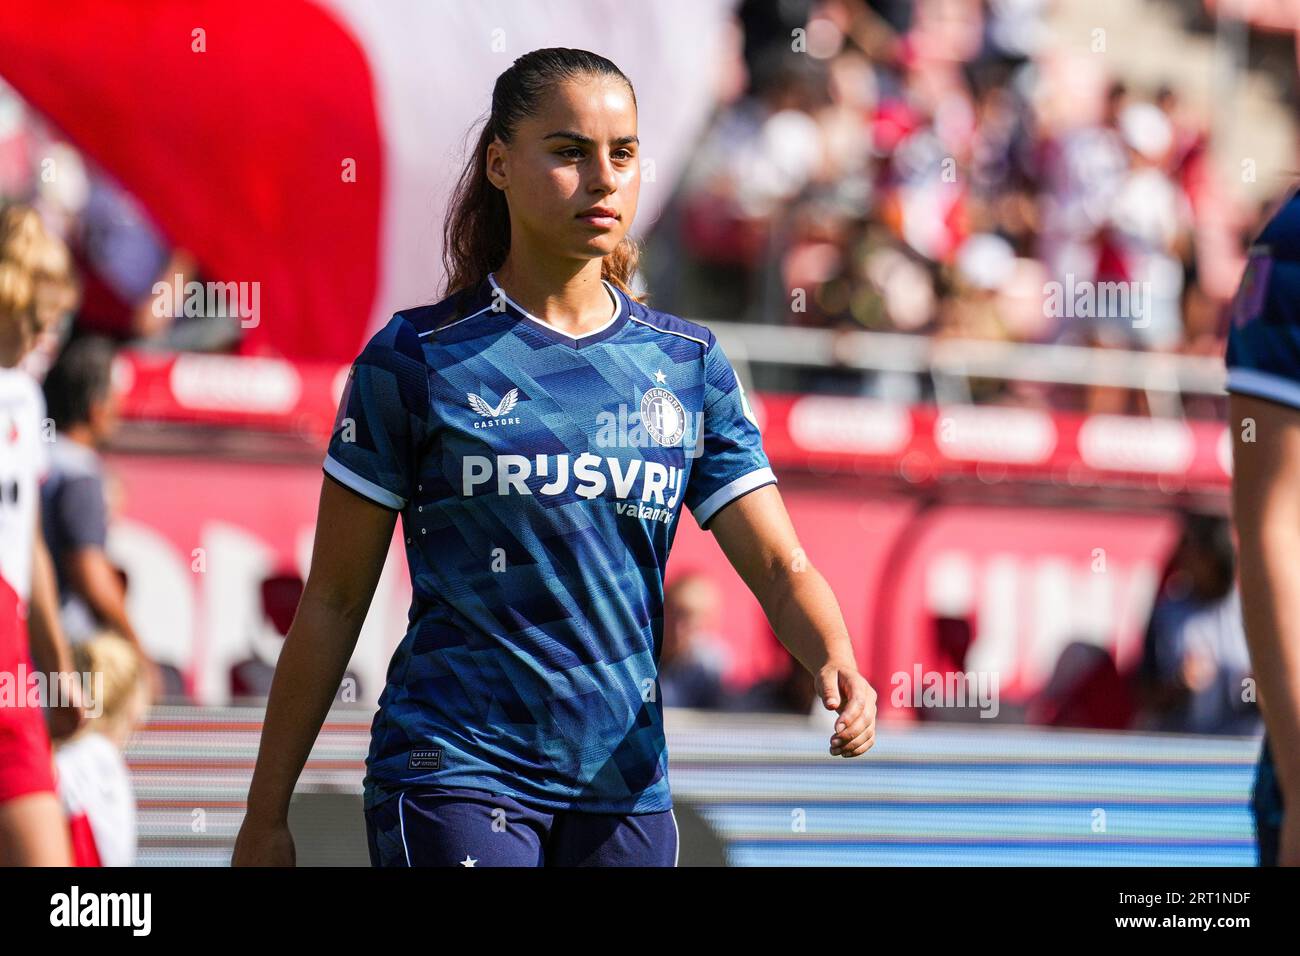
539, 479
1264, 341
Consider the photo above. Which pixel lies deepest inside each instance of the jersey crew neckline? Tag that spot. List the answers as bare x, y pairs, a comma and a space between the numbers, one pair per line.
611, 328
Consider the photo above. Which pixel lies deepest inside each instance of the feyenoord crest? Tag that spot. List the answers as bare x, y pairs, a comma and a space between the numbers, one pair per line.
663, 416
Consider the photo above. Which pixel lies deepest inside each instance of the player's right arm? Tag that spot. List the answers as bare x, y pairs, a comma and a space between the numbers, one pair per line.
370, 476
1266, 509
351, 542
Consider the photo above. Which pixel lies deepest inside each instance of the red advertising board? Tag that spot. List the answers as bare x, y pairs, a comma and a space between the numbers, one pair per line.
1023, 529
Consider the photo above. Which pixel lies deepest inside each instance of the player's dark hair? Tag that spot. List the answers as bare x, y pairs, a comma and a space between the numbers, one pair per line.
81, 377
476, 232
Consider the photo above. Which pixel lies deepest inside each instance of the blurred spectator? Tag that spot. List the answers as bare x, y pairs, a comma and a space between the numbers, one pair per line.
1085, 690
94, 780
691, 661
1149, 218
1196, 663
123, 255
251, 678
793, 691
125, 258
79, 397
953, 638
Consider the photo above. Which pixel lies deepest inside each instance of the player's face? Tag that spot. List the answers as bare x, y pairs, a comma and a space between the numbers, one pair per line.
578, 152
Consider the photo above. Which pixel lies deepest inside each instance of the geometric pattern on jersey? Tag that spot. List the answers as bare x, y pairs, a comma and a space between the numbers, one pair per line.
539, 479
1263, 355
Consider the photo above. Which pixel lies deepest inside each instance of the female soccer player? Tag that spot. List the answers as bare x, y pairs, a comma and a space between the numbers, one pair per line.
33, 829
538, 430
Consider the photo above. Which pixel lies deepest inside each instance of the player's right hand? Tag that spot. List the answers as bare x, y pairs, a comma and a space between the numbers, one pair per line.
264, 845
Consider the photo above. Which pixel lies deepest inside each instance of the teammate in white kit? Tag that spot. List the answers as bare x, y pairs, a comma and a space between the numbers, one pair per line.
33, 830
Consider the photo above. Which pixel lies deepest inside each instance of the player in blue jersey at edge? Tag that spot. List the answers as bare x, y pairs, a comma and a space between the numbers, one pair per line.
1264, 418
539, 431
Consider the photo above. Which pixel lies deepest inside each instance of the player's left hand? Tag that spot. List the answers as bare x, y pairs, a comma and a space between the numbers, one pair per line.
843, 689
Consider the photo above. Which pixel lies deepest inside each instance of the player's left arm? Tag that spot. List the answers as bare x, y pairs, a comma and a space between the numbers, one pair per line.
758, 538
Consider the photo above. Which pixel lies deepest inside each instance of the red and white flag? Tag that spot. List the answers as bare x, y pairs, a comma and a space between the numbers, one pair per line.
311, 147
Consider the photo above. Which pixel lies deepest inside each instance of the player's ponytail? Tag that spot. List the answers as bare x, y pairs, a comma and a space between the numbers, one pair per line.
476, 233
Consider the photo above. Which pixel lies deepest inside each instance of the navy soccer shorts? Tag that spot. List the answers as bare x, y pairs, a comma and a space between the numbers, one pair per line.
1266, 805
454, 826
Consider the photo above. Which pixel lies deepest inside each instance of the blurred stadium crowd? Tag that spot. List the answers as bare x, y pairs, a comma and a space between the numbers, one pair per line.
936, 175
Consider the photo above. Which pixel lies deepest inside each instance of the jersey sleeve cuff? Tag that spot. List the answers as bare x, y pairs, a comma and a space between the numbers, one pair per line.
1253, 382
731, 491
362, 486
